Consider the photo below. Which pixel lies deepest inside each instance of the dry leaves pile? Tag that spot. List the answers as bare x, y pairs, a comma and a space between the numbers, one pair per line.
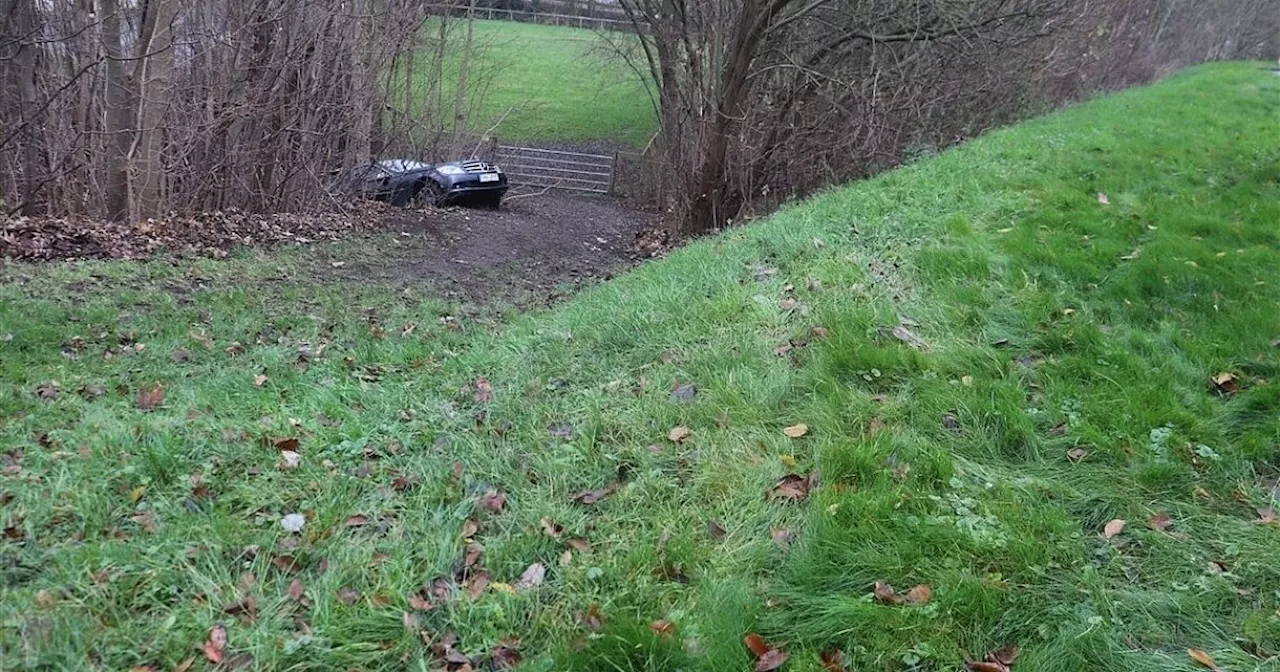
205, 233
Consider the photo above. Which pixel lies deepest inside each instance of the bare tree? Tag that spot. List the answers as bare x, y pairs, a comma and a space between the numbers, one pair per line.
129, 108
764, 99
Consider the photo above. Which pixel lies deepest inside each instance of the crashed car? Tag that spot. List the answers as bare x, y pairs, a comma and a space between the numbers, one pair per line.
403, 182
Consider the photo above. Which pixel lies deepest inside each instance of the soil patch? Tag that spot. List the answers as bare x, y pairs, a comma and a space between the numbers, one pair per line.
532, 249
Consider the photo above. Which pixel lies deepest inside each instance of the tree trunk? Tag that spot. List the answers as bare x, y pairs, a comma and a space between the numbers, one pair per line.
120, 116
464, 72
711, 207
153, 69
27, 23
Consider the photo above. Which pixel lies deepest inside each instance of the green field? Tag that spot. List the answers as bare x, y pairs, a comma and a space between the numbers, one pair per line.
1052, 372
552, 83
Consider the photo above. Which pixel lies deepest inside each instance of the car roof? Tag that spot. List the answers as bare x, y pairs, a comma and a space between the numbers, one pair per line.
402, 165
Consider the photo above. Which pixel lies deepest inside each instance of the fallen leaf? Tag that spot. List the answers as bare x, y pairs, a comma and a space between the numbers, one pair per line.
790, 303
484, 391
792, 487
146, 520
248, 606
357, 521
48, 391
504, 658
1160, 522
1006, 656
290, 443
471, 555
419, 603
477, 584
1225, 383
755, 643
92, 391
788, 461
410, 621
532, 576
469, 529
714, 530
493, 501
295, 590
1202, 658
833, 660
289, 460
201, 338
286, 563
679, 434
591, 619
907, 336
578, 544
185, 665
149, 398
216, 643
782, 538
1113, 528
293, 522
1218, 567
136, 494
593, 496
259, 380
885, 594
180, 356
44, 598
772, 659
1266, 516
921, 594
685, 392
967, 381
551, 528
1102, 198
796, 431
1076, 455
662, 627
348, 596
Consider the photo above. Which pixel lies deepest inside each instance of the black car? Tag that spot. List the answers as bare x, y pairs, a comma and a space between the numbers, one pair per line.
402, 182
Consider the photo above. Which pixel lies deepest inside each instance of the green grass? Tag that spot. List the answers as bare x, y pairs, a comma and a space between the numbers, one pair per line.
1002, 240
551, 83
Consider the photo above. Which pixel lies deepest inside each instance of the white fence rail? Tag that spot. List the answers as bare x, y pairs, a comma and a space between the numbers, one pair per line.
554, 169
598, 21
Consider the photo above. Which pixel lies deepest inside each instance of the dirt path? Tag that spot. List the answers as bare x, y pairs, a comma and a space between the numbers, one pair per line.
532, 249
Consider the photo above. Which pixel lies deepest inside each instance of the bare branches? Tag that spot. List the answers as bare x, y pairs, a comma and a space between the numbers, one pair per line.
762, 100
142, 107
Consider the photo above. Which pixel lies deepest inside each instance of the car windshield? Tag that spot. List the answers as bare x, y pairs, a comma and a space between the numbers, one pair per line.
402, 165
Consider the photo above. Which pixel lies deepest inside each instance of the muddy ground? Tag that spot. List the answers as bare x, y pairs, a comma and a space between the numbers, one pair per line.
534, 249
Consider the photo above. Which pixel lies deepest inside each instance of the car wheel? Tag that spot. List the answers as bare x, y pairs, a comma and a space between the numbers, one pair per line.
432, 194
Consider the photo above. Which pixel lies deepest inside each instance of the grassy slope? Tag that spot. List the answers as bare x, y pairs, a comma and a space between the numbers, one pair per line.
553, 83
1000, 239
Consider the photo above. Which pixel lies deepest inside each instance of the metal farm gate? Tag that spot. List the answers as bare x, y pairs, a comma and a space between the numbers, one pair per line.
554, 169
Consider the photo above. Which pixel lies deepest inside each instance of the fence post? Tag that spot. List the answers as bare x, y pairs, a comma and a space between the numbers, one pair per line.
613, 173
